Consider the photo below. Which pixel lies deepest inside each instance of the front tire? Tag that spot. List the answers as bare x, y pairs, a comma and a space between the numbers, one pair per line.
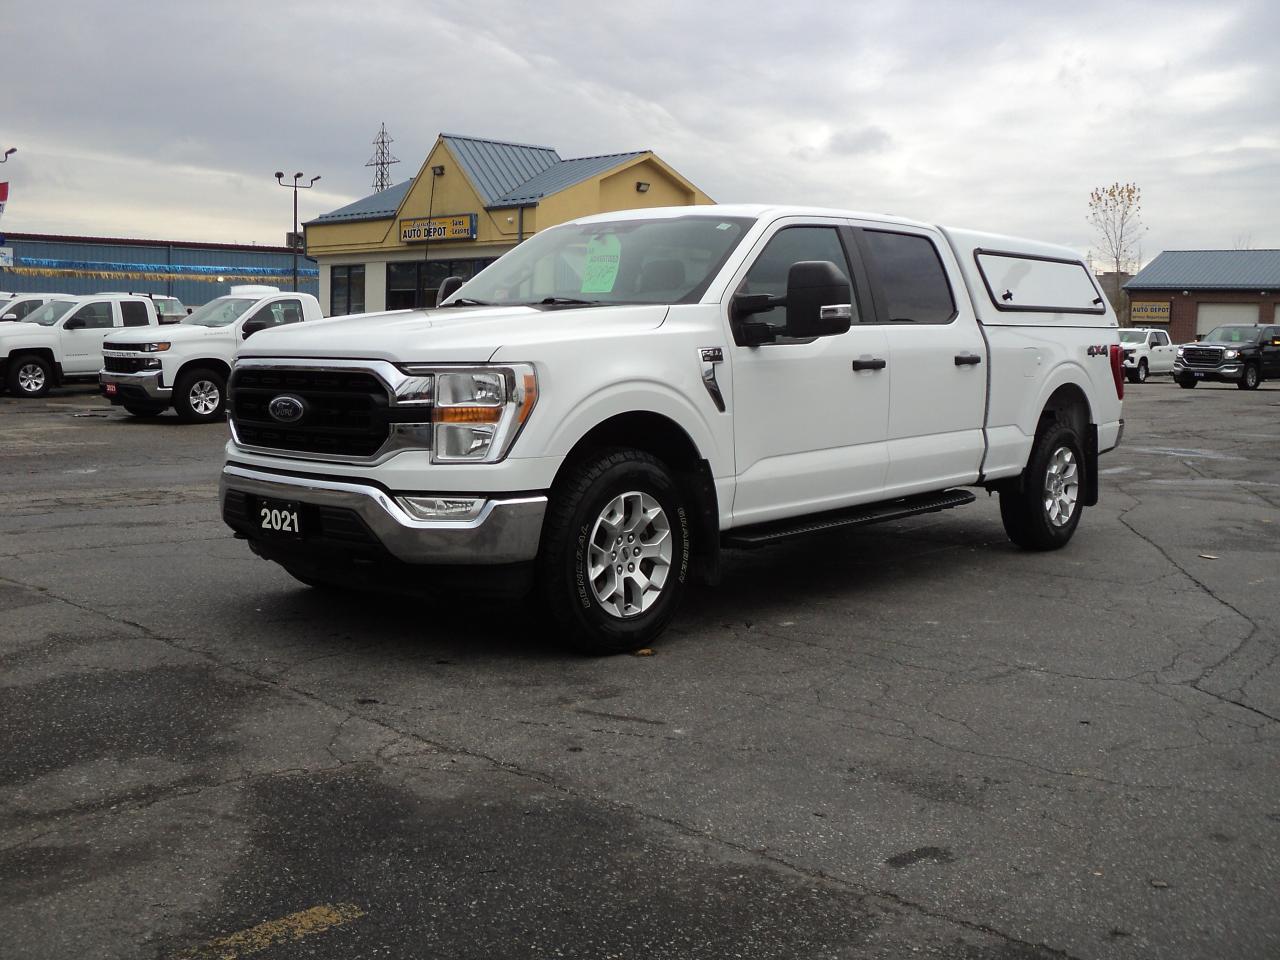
1143, 371
1187, 383
200, 395
1250, 378
615, 552
1043, 511
29, 376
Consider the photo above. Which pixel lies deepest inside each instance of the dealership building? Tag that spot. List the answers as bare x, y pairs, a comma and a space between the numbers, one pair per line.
193, 272
471, 201
1193, 291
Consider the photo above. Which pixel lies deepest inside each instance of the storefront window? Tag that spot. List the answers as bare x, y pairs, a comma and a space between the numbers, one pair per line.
413, 284
346, 290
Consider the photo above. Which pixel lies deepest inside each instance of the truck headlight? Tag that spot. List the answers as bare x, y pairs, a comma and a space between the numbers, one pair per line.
159, 347
1180, 351
1230, 354
477, 412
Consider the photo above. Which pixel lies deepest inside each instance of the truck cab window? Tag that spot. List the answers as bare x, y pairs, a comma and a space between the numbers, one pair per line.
911, 276
134, 313
96, 316
768, 275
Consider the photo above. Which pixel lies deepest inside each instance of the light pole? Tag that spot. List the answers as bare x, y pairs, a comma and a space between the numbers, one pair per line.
8, 153
295, 187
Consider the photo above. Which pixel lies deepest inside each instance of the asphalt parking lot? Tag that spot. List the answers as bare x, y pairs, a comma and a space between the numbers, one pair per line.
912, 740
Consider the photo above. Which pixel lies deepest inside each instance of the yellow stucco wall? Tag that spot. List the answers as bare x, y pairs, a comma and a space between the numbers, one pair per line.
613, 189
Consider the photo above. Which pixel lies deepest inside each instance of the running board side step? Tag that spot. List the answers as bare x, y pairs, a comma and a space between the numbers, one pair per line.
762, 534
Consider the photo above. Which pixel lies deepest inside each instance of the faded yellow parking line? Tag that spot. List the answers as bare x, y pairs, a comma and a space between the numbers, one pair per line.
295, 926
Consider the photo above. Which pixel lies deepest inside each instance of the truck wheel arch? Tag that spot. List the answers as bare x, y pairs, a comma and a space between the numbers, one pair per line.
1070, 404
208, 363
663, 438
44, 353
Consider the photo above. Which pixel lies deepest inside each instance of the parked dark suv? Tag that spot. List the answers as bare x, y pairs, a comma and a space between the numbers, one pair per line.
1243, 355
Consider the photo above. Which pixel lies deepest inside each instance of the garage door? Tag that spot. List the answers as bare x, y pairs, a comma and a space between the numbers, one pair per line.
1210, 315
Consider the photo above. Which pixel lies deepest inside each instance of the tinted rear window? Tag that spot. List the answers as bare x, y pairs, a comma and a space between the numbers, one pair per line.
1018, 282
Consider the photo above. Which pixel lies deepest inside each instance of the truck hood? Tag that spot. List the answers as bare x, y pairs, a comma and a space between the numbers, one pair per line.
173, 332
1223, 344
450, 334
16, 328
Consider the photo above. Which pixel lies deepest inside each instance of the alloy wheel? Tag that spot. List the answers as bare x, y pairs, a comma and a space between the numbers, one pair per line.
630, 554
1061, 487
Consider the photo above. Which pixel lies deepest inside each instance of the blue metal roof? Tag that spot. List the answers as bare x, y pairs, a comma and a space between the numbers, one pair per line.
1210, 270
496, 168
377, 206
563, 174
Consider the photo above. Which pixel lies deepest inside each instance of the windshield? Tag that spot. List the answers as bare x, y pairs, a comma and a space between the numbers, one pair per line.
1233, 334
168, 306
667, 260
1133, 336
220, 312
50, 313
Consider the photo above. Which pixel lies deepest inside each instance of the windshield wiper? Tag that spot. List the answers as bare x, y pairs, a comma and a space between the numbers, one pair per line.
467, 302
567, 300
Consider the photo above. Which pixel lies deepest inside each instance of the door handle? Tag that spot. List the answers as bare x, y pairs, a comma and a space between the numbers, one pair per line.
870, 363
967, 359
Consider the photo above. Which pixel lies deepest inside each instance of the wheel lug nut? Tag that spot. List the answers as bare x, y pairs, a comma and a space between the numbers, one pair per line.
630, 537
631, 568
614, 556
619, 568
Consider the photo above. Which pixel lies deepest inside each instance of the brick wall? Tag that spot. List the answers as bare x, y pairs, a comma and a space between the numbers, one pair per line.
1182, 309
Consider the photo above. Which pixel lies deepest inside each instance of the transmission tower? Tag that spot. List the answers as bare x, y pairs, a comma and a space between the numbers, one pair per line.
381, 160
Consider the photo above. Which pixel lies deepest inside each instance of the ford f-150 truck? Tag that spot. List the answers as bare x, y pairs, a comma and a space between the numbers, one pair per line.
62, 340
185, 365
600, 412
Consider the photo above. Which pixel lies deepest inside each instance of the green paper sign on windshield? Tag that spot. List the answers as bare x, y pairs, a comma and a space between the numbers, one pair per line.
603, 256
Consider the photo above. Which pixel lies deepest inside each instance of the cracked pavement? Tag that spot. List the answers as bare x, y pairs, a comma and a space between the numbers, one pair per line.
910, 739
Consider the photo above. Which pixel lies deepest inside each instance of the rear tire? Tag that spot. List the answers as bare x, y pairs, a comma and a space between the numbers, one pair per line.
200, 395
1250, 378
1187, 383
1043, 510
615, 551
29, 376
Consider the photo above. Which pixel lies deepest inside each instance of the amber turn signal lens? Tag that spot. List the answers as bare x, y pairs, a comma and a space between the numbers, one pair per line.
468, 414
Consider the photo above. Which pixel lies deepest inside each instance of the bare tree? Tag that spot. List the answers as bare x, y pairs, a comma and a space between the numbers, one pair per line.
1116, 214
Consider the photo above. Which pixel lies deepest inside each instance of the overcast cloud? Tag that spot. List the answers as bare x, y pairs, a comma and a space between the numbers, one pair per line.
168, 119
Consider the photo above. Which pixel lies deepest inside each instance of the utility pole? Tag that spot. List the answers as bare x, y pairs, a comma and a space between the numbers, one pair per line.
381, 160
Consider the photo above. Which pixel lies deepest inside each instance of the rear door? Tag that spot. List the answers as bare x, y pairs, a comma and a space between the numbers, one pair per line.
937, 360
83, 331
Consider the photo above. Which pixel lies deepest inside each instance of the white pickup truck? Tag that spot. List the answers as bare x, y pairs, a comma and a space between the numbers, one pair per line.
1147, 350
62, 340
185, 365
601, 411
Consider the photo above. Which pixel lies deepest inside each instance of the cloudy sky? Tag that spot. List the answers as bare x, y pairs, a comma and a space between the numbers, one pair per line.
168, 119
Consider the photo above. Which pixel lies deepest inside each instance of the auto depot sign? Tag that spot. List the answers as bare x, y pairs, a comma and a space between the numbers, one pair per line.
421, 229
1144, 312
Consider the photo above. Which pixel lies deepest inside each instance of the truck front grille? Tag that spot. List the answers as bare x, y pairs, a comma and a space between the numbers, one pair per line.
124, 364
346, 412
1202, 356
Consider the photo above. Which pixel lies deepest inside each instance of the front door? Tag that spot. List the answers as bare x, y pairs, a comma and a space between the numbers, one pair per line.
1270, 348
82, 334
809, 426
1162, 352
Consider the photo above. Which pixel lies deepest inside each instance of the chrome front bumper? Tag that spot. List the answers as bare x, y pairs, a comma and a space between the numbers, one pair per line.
505, 530
148, 382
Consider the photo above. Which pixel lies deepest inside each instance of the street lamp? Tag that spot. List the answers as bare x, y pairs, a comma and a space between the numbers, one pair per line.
295, 187
8, 153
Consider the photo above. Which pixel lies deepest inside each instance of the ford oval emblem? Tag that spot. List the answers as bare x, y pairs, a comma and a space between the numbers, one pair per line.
286, 408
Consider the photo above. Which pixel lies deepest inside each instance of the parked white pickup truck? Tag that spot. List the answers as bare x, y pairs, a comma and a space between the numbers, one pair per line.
62, 340
185, 365
1147, 350
598, 413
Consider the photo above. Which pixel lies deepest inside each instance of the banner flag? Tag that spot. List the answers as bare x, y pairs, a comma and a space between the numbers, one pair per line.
4, 196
